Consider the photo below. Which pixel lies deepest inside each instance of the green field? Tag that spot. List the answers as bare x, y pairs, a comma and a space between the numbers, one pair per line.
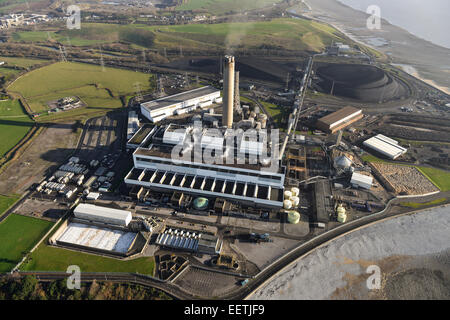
91, 34
287, 34
46, 258
6, 202
276, 112
439, 177
22, 62
417, 205
225, 6
282, 34
18, 234
89, 82
14, 125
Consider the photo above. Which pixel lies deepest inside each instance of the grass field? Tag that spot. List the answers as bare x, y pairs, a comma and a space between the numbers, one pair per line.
46, 258
290, 34
6, 202
417, 205
14, 125
86, 81
225, 6
18, 234
282, 33
275, 112
439, 177
22, 62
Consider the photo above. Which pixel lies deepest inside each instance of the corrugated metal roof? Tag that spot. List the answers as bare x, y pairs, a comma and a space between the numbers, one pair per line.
358, 178
336, 116
385, 146
101, 212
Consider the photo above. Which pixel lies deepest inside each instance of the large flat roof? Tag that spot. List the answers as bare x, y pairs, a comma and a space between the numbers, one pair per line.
339, 115
385, 146
178, 98
101, 212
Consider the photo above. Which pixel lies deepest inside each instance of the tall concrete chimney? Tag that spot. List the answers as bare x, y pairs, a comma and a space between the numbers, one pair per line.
228, 92
237, 95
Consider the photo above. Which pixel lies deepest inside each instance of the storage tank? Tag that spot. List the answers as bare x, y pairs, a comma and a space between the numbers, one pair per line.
295, 200
287, 204
287, 194
293, 217
341, 214
201, 203
263, 119
295, 191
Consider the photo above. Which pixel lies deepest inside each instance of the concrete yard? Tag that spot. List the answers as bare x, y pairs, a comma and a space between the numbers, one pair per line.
41, 209
266, 226
264, 253
99, 238
300, 229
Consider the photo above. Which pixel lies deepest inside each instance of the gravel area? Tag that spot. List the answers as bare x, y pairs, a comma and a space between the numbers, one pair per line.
405, 180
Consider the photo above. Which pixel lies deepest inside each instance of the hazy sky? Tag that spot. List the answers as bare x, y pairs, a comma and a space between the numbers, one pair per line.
428, 19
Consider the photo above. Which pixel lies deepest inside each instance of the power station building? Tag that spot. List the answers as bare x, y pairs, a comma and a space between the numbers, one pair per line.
339, 120
156, 168
180, 103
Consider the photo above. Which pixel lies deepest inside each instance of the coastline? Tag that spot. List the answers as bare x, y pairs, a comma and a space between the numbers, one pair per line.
406, 248
401, 46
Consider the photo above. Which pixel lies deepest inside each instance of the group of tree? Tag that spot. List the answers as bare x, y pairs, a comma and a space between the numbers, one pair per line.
29, 288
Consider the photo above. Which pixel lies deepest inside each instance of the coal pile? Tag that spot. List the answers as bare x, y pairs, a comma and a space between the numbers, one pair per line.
251, 68
365, 83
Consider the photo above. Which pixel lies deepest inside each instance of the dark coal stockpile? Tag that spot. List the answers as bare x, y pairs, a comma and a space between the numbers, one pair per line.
365, 83
252, 68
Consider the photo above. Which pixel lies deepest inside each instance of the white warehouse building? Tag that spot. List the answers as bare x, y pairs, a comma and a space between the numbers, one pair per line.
361, 181
106, 215
385, 146
180, 103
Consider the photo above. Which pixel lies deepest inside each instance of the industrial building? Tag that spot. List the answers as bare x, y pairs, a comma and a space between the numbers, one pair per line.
339, 120
189, 240
385, 146
359, 180
180, 103
323, 203
140, 136
104, 239
133, 124
93, 213
249, 184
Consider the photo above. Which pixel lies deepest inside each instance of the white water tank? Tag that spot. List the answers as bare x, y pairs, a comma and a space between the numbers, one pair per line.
295, 191
295, 200
287, 194
287, 204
